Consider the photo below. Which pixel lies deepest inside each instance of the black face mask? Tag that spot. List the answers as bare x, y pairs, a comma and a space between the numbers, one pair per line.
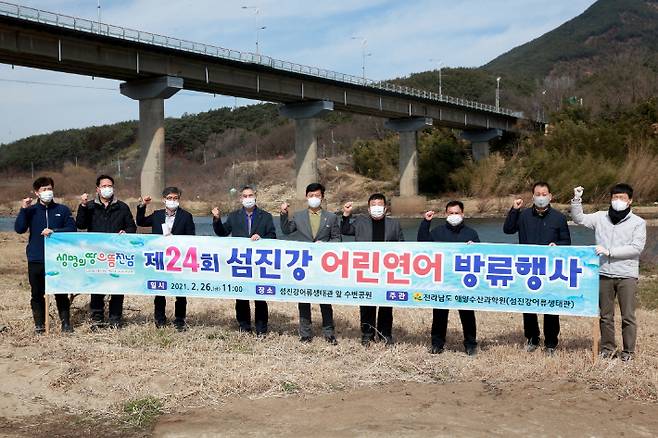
617, 216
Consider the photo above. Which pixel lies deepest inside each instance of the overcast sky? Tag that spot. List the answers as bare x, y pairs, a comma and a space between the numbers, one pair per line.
402, 36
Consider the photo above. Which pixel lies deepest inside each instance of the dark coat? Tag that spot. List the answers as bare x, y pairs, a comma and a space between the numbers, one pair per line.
97, 218
38, 217
183, 221
446, 233
535, 229
236, 224
361, 229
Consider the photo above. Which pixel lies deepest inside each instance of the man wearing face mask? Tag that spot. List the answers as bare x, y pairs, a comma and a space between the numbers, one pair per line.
539, 225
105, 214
454, 230
375, 227
620, 239
253, 223
313, 224
42, 219
171, 220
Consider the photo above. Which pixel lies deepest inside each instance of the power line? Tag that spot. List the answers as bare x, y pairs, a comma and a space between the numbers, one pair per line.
55, 84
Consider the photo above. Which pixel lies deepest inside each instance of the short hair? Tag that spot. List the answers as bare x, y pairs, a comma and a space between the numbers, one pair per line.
170, 190
622, 188
247, 187
459, 204
541, 184
43, 181
314, 187
376, 196
102, 177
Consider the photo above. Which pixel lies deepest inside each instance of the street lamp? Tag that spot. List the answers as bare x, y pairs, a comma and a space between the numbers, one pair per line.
257, 32
364, 54
497, 93
99, 16
440, 84
258, 27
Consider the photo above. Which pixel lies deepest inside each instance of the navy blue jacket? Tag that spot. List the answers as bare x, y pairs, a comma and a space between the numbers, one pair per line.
535, 229
236, 224
38, 217
446, 233
183, 221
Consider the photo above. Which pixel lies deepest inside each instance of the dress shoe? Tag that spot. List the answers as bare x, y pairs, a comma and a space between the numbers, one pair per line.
436, 349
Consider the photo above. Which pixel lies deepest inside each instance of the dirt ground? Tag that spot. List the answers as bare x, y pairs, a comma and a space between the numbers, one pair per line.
213, 381
560, 408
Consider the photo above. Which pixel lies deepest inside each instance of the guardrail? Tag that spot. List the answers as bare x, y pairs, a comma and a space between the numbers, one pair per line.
99, 28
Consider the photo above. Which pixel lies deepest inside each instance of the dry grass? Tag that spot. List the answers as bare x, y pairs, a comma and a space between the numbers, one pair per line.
103, 372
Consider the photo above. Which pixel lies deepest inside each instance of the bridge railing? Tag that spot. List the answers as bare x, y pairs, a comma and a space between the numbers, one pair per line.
95, 27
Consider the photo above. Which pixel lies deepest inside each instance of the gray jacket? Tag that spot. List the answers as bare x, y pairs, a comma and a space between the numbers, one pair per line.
361, 229
329, 230
625, 241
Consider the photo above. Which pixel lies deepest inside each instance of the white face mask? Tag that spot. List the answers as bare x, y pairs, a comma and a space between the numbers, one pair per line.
248, 202
455, 219
46, 196
541, 201
314, 202
619, 205
107, 192
377, 211
171, 204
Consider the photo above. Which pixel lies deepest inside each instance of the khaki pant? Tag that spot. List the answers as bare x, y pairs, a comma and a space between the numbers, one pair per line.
624, 289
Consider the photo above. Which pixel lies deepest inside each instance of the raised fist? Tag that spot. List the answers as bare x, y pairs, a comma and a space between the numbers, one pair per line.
429, 215
26, 202
215, 212
347, 208
284, 208
578, 192
518, 203
84, 198
146, 200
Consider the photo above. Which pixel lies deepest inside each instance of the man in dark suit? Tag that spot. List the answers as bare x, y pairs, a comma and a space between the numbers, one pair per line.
375, 227
170, 220
313, 224
105, 214
253, 223
453, 230
539, 225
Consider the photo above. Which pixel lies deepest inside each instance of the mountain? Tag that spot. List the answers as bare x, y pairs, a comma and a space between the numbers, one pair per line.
607, 56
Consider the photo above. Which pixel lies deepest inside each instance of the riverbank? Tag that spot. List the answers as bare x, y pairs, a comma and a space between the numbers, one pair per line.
141, 381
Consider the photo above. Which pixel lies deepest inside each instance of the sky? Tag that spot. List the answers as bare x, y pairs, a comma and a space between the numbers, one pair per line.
401, 37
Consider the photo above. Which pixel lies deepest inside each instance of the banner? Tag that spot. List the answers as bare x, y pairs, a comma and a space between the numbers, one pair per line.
495, 277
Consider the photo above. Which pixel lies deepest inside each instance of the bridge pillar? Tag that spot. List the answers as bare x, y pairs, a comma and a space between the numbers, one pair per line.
480, 141
409, 202
305, 115
151, 94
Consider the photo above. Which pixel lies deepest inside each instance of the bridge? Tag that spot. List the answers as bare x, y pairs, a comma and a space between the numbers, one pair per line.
154, 67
